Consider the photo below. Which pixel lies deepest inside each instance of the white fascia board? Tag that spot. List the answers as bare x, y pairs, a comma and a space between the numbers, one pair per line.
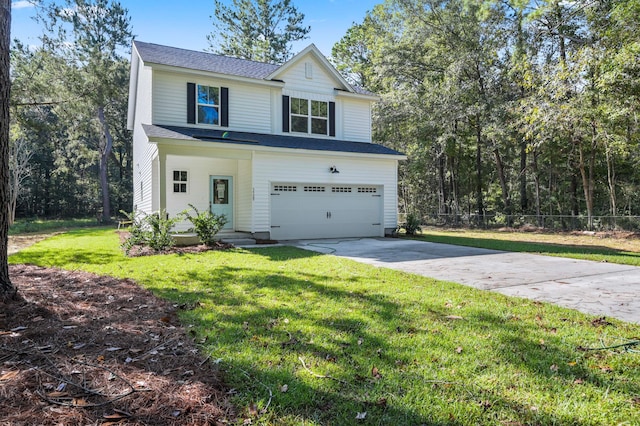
196, 143
209, 74
133, 87
341, 93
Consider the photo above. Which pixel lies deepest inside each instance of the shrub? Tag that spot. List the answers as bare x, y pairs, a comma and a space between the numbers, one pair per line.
206, 224
412, 224
153, 230
160, 225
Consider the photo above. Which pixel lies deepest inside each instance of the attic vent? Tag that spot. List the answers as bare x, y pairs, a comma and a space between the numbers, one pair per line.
308, 70
368, 189
340, 189
285, 188
314, 189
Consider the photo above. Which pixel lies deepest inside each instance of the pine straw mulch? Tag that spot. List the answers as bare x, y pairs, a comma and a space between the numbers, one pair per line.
87, 350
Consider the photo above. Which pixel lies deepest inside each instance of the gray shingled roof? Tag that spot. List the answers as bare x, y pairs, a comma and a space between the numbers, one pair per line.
210, 62
203, 61
273, 141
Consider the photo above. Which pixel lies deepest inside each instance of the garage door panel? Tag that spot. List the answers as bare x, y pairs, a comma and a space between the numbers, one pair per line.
301, 211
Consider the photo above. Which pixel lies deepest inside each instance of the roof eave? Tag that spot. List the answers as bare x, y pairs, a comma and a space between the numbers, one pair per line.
353, 95
210, 74
198, 143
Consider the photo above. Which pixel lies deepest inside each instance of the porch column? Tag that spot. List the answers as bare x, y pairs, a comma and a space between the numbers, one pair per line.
162, 165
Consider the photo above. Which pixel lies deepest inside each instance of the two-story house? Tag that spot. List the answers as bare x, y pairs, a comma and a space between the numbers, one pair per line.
284, 151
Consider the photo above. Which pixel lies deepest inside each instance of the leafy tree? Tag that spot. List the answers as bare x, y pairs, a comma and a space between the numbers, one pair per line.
19, 169
259, 30
7, 289
93, 35
502, 101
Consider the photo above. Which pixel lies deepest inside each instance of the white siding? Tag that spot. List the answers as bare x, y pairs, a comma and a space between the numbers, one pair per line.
356, 120
244, 197
322, 82
199, 170
268, 168
143, 151
353, 116
249, 105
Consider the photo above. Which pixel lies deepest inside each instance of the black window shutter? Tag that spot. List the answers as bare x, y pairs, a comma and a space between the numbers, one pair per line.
224, 106
191, 103
332, 118
285, 113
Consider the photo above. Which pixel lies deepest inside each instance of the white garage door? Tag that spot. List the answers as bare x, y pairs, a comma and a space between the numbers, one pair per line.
300, 211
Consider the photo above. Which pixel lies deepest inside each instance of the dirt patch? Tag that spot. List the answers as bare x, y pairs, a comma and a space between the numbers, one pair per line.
19, 242
85, 349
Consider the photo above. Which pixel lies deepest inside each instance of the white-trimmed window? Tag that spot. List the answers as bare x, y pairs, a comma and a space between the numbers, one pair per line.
180, 181
309, 116
208, 105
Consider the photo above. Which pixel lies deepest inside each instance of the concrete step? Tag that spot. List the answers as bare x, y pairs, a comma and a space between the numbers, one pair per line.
225, 235
239, 241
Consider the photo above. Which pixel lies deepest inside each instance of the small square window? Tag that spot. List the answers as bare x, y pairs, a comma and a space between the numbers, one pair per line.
180, 181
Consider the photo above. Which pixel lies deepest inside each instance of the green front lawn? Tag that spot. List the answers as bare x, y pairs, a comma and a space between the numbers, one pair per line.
29, 226
315, 339
586, 247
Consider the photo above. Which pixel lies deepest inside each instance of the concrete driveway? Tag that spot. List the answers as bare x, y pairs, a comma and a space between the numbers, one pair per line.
596, 288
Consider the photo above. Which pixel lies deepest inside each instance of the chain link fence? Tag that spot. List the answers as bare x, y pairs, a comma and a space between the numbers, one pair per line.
550, 222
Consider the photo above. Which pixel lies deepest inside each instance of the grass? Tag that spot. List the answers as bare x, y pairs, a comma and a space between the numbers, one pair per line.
587, 247
401, 348
24, 226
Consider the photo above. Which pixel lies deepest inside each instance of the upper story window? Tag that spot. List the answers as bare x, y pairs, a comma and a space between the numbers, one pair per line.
208, 105
308, 116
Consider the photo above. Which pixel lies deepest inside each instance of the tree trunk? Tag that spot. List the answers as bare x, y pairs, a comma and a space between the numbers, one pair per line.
19, 157
479, 200
586, 172
442, 183
611, 182
524, 202
506, 197
573, 195
7, 289
105, 152
453, 188
536, 185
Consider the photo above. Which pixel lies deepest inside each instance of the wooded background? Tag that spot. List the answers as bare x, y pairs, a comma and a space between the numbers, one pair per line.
508, 110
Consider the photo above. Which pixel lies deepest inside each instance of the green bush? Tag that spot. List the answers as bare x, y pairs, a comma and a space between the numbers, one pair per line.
412, 224
206, 224
152, 230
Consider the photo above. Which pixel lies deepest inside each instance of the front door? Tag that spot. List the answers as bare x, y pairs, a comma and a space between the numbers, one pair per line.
221, 198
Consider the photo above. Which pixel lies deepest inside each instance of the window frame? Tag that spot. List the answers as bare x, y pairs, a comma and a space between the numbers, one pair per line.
180, 182
216, 107
309, 115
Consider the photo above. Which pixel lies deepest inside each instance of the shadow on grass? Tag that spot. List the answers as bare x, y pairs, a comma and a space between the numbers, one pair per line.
232, 313
282, 253
521, 345
36, 256
262, 320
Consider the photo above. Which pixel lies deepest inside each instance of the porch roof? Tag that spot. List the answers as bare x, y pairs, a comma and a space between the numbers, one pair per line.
264, 140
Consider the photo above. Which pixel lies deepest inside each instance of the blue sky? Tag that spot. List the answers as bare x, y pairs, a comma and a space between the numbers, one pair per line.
186, 24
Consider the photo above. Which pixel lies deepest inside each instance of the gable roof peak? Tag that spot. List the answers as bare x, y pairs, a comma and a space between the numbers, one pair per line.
313, 50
